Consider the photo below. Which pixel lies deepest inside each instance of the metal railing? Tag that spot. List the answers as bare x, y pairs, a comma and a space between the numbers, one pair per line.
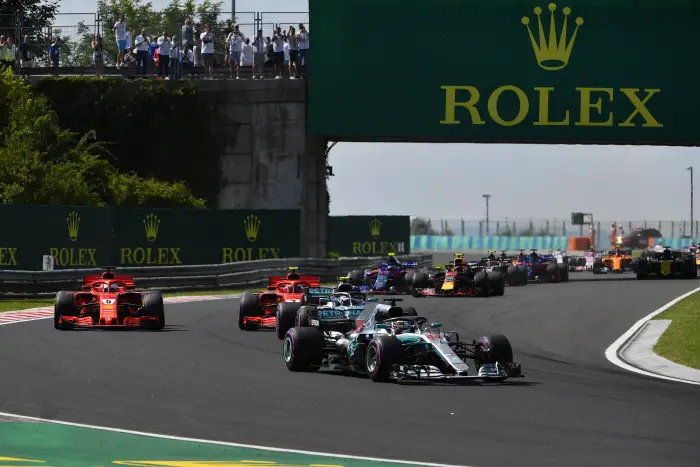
514, 227
182, 278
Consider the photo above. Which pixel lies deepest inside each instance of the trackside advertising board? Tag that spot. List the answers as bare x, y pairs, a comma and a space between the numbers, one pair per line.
369, 235
568, 71
83, 237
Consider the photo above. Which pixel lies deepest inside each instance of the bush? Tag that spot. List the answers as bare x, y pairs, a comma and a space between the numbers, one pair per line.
156, 129
41, 163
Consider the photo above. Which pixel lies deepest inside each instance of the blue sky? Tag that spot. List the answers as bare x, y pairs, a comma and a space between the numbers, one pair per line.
448, 180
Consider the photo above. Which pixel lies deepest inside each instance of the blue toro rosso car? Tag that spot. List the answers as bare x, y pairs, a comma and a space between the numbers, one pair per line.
391, 276
542, 268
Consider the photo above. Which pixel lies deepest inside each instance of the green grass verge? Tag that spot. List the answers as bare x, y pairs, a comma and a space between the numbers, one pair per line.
681, 341
25, 303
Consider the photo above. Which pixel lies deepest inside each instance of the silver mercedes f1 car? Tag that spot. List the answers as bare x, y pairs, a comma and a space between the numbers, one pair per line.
393, 344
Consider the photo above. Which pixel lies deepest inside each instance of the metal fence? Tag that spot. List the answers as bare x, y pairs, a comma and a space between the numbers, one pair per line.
513, 227
74, 32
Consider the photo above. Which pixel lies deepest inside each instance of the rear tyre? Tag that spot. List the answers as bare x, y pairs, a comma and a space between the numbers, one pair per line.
304, 316
563, 272
285, 318
357, 277
303, 349
481, 284
383, 353
496, 283
64, 306
248, 306
153, 306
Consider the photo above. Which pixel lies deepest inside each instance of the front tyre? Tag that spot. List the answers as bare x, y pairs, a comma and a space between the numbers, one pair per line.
383, 353
153, 306
64, 306
285, 318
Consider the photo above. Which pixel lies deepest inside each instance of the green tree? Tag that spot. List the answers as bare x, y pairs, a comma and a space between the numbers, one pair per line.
422, 226
41, 163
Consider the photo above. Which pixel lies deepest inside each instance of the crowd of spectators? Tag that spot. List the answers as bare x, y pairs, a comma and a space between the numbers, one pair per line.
188, 52
191, 51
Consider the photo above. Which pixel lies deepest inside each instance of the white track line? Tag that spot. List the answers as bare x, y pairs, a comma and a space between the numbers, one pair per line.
223, 443
613, 352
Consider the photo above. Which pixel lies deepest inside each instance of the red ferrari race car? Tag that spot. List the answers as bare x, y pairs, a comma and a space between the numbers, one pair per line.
109, 301
257, 310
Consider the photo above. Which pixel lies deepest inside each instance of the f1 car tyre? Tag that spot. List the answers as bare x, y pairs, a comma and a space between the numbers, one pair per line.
563, 272
408, 278
553, 273
286, 316
494, 348
357, 277
153, 306
303, 317
303, 349
420, 280
383, 352
248, 307
598, 267
64, 307
497, 285
481, 283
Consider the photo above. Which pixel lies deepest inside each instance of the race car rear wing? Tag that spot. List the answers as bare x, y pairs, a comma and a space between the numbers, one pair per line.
409, 265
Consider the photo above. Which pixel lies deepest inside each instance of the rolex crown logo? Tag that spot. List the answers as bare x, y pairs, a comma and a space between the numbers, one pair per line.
252, 226
73, 221
151, 223
375, 227
550, 53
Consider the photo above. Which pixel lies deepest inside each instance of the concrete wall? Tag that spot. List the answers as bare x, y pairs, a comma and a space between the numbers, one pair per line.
267, 161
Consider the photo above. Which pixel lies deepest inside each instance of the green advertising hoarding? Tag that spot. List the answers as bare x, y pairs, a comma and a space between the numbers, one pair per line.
594, 71
369, 235
81, 237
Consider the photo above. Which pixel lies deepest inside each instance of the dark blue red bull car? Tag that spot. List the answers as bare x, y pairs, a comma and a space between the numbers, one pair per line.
390, 277
542, 268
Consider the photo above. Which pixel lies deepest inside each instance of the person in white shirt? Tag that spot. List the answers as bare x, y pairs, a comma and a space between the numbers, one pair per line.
278, 52
235, 44
120, 33
143, 44
303, 41
164, 54
175, 59
208, 50
293, 53
247, 57
259, 45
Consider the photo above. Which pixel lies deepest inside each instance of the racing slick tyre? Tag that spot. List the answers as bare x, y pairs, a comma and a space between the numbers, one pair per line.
514, 276
248, 306
303, 349
553, 273
690, 269
409, 311
563, 272
285, 318
420, 280
63, 307
497, 284
495, 348
383, 352
481, 284
598, 267
357, 277
408, 279
303, 316
153, 306
642, 269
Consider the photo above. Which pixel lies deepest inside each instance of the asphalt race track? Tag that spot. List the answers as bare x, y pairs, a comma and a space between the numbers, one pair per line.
204, 378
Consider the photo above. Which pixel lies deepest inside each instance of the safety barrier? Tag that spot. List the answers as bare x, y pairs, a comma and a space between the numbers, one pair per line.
457, 243
182, 278
445, 243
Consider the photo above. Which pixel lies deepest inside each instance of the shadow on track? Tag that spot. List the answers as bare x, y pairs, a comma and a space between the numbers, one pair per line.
512, 382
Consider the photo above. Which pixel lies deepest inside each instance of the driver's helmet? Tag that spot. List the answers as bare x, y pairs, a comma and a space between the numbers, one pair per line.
345, 300
504, 255
392, 260
105, 288
492, 256
399, 327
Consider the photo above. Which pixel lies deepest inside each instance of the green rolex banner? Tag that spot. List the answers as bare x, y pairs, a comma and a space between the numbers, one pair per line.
369, 235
